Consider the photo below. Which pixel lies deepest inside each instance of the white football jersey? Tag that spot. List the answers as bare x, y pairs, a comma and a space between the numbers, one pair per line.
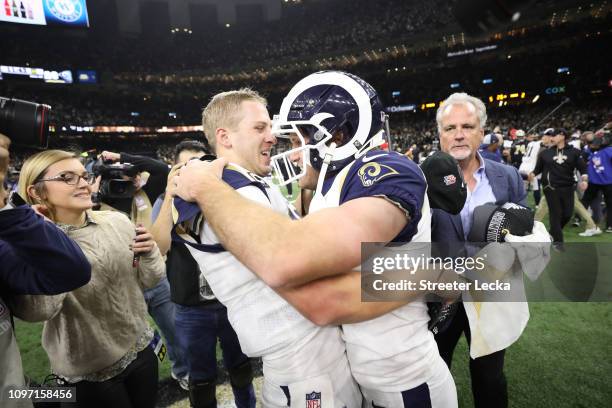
530, 157
292, 347
396, 351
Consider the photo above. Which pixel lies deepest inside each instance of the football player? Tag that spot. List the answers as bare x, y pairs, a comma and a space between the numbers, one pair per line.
362, 195
301, 361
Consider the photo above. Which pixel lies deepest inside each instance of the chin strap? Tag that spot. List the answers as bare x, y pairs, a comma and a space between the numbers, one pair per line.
377, 140
329, 155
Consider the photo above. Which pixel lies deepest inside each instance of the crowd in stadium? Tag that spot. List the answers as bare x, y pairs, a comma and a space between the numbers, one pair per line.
129, 228
315, 29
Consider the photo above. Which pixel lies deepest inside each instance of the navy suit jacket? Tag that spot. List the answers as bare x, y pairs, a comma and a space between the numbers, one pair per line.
507, 187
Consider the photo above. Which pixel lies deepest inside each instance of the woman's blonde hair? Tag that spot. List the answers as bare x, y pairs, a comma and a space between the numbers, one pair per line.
34, 169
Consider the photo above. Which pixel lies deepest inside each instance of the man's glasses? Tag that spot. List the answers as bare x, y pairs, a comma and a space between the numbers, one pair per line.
72, 179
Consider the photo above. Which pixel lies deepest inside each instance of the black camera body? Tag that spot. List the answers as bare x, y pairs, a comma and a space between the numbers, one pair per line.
113, 185
26, 123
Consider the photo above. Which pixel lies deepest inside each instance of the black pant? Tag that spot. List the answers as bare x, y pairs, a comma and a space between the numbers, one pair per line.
135, 387
489, 386
591, 193
560, 209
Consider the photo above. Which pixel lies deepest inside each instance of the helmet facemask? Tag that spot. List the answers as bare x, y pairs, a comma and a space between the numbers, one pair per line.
320, 106
288, 135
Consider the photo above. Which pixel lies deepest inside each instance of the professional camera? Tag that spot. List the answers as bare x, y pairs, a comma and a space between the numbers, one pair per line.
26, 123
113, 183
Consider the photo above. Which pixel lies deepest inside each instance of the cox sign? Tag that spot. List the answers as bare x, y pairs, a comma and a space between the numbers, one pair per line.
555, 90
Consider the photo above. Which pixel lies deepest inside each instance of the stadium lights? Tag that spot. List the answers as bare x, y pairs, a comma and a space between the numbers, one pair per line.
501, 103
227, 25
535, 98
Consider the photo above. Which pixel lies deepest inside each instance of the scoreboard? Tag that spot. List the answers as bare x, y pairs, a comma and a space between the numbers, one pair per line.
45, 12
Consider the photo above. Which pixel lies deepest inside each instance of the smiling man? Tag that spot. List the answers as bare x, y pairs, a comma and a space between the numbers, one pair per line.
301, 361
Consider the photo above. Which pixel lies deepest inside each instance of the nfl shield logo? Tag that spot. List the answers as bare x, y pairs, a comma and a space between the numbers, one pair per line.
313, 400
450, 179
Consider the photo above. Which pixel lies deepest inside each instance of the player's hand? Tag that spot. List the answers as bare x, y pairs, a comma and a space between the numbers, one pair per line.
582, 186
191, 179
530, 177
170, 185
143, 242
110, 156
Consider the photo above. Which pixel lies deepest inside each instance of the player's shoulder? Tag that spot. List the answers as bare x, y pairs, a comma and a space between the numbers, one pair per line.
378, 165
382, 173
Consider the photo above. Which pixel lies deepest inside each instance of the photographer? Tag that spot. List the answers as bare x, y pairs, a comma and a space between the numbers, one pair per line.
137, 204
97, 338
146, 190
49, 264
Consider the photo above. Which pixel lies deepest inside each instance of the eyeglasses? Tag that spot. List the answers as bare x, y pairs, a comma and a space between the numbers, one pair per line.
72, 179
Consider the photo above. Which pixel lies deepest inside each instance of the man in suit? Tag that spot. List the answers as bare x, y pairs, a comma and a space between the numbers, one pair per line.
461, 121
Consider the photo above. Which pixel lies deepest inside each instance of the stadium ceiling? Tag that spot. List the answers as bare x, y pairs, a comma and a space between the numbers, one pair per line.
179, 11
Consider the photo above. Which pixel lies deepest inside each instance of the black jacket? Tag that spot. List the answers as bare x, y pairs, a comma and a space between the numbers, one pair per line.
558, 165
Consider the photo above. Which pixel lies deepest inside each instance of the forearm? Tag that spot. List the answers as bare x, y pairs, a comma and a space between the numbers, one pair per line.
151, 268
36, 308
37, 257
248, 230
337, 300
161, 229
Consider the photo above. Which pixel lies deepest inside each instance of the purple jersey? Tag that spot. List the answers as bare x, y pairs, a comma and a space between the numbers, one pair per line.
390, 175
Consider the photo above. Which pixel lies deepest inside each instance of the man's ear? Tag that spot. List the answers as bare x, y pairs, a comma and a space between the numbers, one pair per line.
222, 138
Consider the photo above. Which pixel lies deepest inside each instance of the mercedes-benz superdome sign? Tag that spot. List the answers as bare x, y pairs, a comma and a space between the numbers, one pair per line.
45, 12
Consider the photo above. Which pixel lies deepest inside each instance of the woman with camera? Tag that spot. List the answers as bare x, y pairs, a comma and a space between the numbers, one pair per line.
96, 337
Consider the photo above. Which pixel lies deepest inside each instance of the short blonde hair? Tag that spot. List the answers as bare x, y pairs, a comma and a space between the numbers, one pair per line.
34, 169
223, 111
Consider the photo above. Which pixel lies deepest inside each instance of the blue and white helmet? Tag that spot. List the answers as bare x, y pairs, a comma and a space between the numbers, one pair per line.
319, 106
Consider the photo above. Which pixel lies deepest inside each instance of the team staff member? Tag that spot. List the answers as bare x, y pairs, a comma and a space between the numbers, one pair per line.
557, 166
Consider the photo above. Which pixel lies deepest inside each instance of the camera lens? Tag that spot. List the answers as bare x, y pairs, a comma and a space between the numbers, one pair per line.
26, 123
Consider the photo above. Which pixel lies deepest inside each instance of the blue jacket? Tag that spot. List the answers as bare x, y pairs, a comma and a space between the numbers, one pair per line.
36, 257
494, 325
507, 187
600, 166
